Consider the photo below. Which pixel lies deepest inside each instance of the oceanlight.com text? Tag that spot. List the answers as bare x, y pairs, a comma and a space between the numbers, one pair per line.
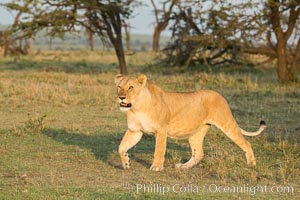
210, 188
252, 190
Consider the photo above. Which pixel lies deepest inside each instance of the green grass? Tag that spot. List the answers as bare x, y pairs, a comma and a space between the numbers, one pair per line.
60, 128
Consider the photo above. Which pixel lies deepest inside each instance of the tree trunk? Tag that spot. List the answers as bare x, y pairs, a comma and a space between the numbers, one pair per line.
119, 49
6, 43
28, 46
284, 72
114, 32
123, 66
127, 37
121, 58
161, 25
91, 40
156, 37
50, 43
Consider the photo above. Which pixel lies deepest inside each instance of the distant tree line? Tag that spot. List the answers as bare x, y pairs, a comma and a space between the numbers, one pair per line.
203, 32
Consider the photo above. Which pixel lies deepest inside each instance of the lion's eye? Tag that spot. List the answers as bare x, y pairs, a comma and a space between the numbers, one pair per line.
130, 88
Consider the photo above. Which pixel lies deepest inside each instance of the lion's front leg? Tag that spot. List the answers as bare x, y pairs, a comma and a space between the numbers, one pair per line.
160, 150
129, 140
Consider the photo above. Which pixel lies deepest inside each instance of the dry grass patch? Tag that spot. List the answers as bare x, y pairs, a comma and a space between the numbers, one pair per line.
60, 132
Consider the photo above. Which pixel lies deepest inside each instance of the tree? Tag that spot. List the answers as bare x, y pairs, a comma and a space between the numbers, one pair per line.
162, 18
127, 36
10, 42
219, 32
90, 38
101, 17
283, 16
206, 32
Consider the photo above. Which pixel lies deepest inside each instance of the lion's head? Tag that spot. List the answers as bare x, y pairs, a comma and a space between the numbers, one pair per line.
128, 89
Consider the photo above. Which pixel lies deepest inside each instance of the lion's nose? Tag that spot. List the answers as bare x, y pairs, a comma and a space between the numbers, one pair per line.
122, 98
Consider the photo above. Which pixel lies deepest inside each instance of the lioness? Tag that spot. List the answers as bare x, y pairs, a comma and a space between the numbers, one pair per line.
178, 115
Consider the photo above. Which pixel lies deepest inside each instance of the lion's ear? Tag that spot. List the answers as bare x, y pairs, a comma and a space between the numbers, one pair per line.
118, 78
142, 79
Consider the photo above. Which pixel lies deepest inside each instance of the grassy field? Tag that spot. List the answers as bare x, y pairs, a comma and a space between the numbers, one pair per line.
60, 128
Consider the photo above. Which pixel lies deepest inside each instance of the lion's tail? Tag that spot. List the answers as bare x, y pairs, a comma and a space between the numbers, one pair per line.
261, 128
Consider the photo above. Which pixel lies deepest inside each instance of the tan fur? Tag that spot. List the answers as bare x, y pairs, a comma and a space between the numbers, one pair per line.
186, 115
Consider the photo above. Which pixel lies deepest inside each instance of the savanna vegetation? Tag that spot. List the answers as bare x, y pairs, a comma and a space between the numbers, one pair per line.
203, 32
61, 127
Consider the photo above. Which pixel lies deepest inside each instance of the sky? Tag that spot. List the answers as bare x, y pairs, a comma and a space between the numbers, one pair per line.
142, 21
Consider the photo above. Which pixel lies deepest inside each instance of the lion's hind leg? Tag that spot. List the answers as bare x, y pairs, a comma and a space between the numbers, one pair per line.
196, 143
233, 131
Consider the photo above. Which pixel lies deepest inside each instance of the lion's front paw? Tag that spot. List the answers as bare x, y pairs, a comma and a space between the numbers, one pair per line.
156, 168
125, 161
126, 165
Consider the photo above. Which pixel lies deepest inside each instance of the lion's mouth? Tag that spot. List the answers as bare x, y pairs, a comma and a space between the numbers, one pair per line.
125, 105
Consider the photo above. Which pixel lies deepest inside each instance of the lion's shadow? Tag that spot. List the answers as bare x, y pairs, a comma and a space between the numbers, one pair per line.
103, 145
